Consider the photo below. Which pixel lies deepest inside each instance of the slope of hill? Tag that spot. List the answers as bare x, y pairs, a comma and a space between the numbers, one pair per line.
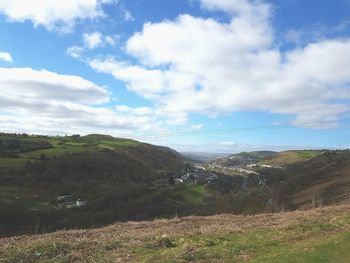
243, 158
82, 181
321, 235
17, 150
289, 157
324, 180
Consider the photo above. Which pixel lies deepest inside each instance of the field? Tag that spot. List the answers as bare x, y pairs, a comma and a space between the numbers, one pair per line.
192, 194
22, 150
321, 235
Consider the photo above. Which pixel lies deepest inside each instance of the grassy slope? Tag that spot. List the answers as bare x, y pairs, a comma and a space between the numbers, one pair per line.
192, 194
290, 157
324, 178
321, 235
115, 176
90, 143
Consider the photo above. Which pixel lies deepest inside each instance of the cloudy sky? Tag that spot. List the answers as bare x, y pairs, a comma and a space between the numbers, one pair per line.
196, 75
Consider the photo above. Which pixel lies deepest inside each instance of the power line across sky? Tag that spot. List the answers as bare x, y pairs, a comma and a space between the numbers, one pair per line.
238, 130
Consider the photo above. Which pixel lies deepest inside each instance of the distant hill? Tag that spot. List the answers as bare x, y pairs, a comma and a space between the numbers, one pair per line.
243, 158
290, 157
202, 157
320, 235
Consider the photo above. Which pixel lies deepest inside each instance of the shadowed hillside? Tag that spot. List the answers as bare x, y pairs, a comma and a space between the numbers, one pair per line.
324, 180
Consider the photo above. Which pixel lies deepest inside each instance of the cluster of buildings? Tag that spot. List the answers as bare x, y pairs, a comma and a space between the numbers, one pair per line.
69, 202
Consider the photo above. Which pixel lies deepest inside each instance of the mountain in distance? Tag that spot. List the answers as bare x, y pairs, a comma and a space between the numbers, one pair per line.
243, 158
202, 156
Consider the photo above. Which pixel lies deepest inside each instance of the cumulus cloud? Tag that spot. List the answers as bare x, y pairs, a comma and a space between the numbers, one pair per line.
43, 101
4, 56
91, 41
212, 67
53, 15
96, 39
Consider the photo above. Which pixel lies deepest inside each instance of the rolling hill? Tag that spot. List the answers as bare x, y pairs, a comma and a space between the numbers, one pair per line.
116, 179
243, 158
289, 157
53, 183
320, 235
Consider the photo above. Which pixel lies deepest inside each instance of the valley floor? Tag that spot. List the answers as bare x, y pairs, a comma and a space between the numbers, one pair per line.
320, 235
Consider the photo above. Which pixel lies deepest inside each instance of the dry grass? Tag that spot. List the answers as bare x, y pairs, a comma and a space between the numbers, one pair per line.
117, 242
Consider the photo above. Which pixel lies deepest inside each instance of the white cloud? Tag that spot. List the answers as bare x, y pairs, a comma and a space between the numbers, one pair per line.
211, 67
75, 51
96, 39
4, 56
44, 101
54, 15
92, 40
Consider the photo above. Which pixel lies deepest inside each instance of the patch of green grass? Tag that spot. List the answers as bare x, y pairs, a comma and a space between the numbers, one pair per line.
191, 194
66, 145
115, 144
307, 243
309, 154
57, 151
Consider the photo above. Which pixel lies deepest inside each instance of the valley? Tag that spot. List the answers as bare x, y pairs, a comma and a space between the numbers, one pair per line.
54, 183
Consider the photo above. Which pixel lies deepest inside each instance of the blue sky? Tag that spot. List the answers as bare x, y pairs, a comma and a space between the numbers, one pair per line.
190, 74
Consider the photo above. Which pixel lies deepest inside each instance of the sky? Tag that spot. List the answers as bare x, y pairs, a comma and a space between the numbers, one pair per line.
195, 75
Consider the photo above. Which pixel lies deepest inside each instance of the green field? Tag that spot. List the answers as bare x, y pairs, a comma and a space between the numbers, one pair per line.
60, 146
191, 194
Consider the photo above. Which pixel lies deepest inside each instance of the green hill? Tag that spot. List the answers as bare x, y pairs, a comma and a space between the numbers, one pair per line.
118, 178
17, 150
243, 158
290, 157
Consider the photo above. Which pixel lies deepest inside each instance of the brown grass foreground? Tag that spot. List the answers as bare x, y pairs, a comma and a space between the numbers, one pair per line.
117, 243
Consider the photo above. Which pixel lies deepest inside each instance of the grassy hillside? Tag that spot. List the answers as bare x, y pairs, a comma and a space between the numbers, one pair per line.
118, 179
289, 157
324, 180
18, 150
243, 158
321, 235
